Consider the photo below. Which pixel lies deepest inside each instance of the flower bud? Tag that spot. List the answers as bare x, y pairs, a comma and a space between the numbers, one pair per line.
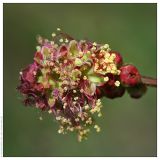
113, 91
137, 91
129, 75
99, 92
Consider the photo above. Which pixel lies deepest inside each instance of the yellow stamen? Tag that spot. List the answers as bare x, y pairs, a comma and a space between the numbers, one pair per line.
66, 40
50, 111
74, 91
40, 118
61, 40
117, 83
85, 78
106, 79
65, 61
53, 34
58, 29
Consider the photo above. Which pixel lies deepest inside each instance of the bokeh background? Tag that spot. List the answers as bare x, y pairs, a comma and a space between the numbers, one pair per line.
129, 126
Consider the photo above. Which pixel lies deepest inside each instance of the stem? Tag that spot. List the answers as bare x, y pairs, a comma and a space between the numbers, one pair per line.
149, 81
65, 35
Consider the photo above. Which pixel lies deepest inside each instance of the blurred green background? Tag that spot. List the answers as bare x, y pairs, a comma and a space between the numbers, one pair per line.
129, 126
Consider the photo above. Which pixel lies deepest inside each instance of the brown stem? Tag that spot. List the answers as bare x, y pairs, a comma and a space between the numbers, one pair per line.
65, 35
149, 81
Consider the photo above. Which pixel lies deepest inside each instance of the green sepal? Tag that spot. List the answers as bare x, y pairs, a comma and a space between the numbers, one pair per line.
43, 81
90, 90
51, 101
46, 53
78, 62
52, 83
75, 74
86, 56
73, 49
95, 79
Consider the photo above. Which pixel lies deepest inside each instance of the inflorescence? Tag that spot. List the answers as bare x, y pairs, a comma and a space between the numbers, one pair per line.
69, 77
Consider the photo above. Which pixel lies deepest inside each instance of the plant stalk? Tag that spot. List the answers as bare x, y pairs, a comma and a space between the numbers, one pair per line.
149, 81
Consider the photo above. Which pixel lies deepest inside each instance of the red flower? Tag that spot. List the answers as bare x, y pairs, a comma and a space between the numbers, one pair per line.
28, 74
68, 77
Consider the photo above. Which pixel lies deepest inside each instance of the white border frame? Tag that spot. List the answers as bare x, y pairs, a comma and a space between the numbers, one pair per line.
77, 1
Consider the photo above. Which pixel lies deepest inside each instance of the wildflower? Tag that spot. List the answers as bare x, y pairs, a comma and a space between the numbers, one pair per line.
67, 79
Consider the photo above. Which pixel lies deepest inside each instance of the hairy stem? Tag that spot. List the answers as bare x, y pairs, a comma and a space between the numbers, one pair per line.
149, 81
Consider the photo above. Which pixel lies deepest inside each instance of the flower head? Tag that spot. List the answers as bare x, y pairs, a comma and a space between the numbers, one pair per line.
68, 78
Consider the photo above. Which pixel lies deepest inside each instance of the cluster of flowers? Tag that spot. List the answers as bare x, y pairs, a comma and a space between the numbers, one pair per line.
68, 78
